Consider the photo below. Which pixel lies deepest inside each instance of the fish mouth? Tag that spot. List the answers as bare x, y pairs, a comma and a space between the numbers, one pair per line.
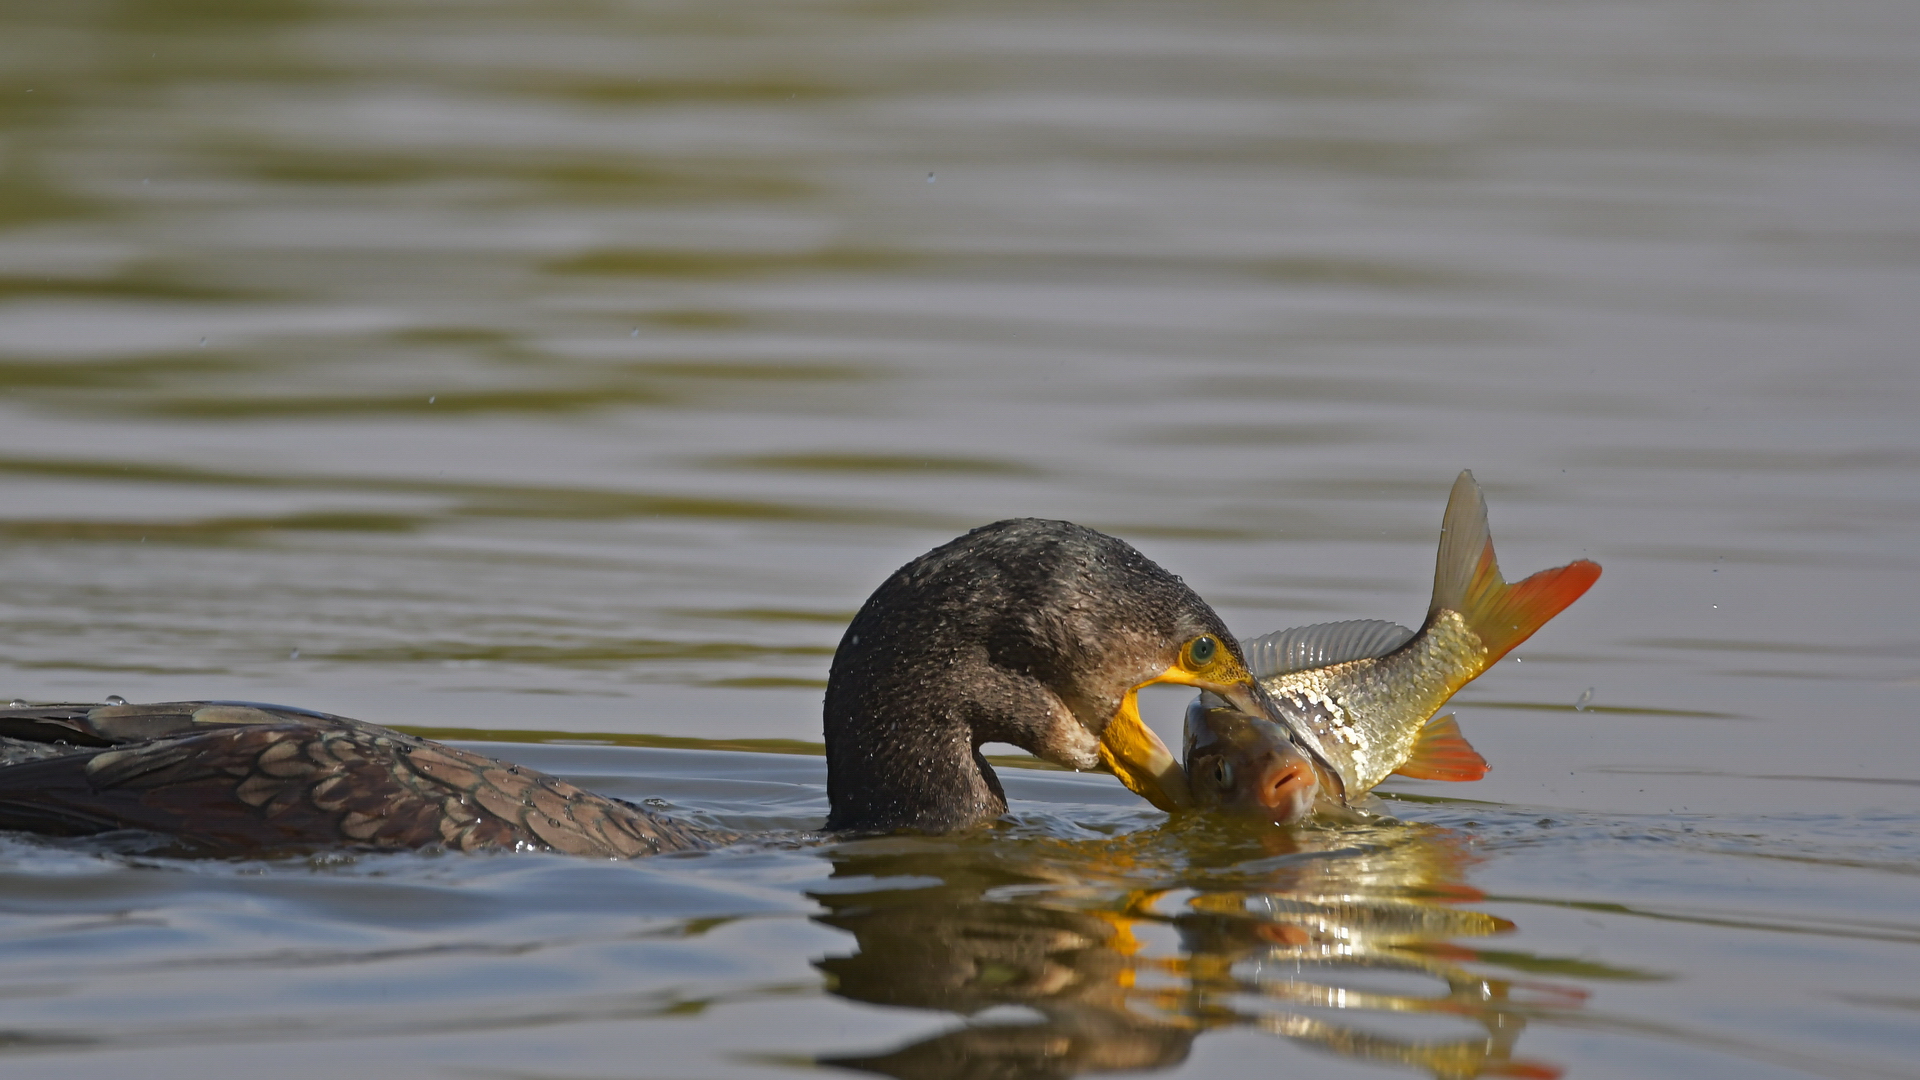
1132, 752
1255, 701
1281, 783
1301, 734
1288, 787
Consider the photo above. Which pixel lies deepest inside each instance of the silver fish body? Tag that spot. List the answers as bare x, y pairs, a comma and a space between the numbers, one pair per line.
1361, 696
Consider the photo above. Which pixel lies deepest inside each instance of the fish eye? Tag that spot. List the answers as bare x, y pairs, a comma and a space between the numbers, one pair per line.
1202, 650
1223, 772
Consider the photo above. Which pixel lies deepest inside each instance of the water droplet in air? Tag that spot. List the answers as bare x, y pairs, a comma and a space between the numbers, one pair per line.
294, 655
433, 399
116, 699
16, 703
203, 343
1581, 705
636, 332
929, 178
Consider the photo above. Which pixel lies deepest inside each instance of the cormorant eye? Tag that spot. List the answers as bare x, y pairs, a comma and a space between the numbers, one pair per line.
1201, 651
1223, 773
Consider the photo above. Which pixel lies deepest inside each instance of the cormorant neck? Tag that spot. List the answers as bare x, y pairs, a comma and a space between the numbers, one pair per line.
894, 768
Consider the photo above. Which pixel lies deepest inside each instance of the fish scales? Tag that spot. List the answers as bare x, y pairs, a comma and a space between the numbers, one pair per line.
1369, 713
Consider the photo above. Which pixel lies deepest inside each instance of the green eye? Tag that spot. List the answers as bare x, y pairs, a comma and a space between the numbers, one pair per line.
1201, 652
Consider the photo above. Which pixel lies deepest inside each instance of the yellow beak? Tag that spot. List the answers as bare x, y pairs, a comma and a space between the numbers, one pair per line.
1131, 750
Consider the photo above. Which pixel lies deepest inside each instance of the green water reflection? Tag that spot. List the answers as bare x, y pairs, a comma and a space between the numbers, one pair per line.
1346, 940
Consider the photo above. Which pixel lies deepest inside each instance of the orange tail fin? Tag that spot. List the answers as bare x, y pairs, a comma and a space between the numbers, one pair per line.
1467, 578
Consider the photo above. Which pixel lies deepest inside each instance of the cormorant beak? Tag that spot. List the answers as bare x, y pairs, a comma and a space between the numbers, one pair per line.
1142, 762
1132, 752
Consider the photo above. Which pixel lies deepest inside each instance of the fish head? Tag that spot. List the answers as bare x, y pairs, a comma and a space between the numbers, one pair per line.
1248, 765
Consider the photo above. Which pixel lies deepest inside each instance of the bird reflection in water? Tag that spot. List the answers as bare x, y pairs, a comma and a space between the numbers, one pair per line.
1072, 957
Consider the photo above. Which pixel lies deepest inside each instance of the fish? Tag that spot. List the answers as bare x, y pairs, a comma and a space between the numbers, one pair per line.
1248, 766
1359, 698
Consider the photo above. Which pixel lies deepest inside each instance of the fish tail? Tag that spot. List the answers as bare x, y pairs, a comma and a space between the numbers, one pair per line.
1467, 579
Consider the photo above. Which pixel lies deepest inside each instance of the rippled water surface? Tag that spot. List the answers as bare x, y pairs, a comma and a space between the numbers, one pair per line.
566, 373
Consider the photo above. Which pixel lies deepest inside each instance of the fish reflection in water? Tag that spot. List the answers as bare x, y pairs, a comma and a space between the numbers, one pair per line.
1324, 937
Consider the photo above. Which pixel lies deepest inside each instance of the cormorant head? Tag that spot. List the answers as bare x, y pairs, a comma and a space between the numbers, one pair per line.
1032, 632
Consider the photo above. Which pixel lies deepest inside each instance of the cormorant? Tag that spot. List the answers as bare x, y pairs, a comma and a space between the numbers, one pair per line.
1031, 632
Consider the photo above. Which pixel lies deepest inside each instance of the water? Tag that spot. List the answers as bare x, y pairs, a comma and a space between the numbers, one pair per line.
572, 372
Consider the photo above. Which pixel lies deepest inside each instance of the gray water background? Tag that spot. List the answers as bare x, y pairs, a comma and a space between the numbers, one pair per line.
575, 369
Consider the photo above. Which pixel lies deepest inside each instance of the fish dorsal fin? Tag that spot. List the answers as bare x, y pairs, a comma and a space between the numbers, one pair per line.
1442, 753
1321, 644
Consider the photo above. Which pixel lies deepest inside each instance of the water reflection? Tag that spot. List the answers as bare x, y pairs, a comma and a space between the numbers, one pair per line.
1067, 958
